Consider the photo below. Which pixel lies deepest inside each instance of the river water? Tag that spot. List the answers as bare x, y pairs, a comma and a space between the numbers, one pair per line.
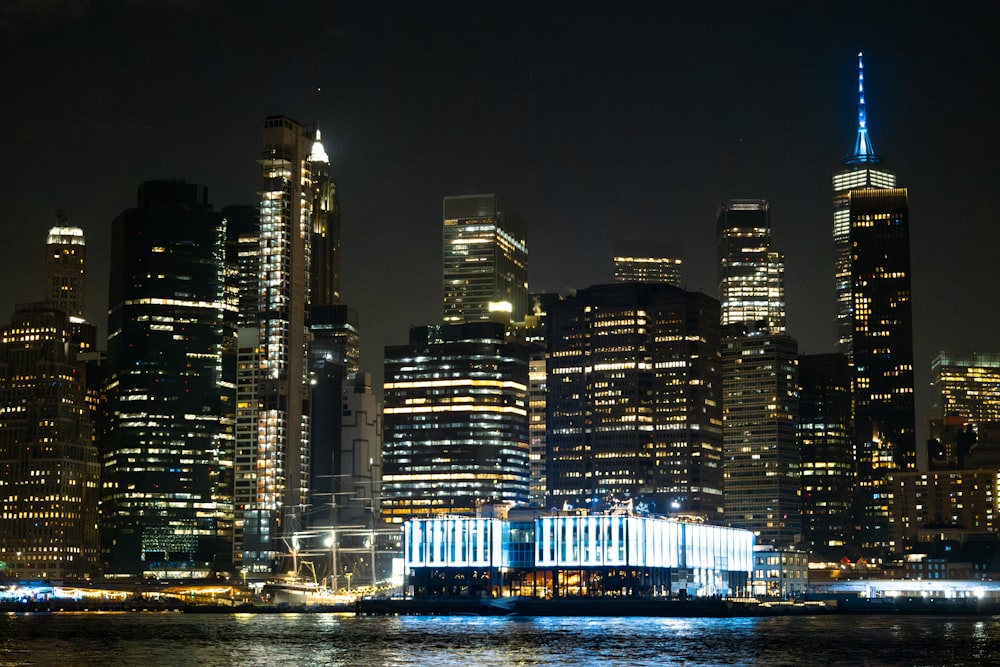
165, 639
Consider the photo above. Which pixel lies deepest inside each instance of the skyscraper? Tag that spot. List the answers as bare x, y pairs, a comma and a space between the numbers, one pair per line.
826, 444
967, 386
645, 262
861, 170
456, 421
634, 406
485, 261
751, 273
759, 378
49, 466
873, 290
166, 503
272, 475
65, 264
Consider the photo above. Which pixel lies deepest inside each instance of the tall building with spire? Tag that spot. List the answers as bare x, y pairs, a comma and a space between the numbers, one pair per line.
872, 245
861, 170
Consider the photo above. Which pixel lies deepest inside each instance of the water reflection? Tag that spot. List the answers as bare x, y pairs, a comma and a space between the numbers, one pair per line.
328, 639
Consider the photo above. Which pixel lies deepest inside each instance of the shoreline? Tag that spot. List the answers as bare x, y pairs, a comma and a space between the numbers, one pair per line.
591, 607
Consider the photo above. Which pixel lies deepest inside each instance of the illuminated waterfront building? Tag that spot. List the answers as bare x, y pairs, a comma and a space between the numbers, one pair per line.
646, 262
634, 406
49, 465
759, 378
485, 261
456, 421
166, 488
826, 447
65, 265
534, 554
872, 241
966, 386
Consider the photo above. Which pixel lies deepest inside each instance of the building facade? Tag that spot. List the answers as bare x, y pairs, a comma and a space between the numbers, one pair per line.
485, 261
65, 268
455, 421
634, 406
645, 262
532, 554
826, 448
761, 459
966, 386
759, 378
49, 465
751, 272
166, 489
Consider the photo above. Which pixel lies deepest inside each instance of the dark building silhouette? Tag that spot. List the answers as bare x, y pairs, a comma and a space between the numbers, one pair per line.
634, 405
167, 493
826, 443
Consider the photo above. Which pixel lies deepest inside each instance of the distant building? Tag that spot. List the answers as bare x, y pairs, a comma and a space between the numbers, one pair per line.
946, 504
751, 272
966, 386
634, 404
826, 447
65, 268
779, 572
456, 421
167, 492
648, 262
49, 465
872, 243
485, 261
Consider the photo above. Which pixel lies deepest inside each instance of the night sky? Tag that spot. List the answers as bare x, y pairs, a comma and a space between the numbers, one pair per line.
596, 121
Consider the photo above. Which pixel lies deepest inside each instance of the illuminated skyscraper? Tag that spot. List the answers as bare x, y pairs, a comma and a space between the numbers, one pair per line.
65, 264
485, 261
640, 261
634, 406
874, 257
751, 273
272, 475
861, 170
759, 377
166, 499
967, 386
456, 421
49, 466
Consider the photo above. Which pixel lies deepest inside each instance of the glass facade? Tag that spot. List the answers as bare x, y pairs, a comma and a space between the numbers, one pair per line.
456, 421
613, 554
966, 386
485, 261
166, 489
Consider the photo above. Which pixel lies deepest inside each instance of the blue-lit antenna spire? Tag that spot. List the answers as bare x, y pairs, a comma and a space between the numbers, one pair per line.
864, 151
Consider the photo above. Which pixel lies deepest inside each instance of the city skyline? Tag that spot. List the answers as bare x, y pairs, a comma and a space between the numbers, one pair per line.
594, 125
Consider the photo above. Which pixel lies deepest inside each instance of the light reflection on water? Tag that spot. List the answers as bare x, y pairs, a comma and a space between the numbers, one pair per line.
330, 639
